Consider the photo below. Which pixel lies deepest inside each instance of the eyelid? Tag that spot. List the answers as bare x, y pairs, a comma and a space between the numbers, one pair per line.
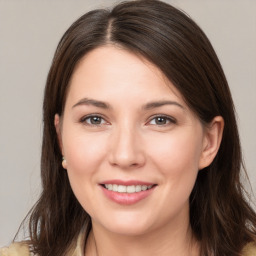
171, 119
84, 118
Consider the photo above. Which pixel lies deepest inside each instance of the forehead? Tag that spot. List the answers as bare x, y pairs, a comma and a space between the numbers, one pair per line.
109, 71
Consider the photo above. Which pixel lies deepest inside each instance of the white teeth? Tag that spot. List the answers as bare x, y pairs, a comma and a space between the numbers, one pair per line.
144, 187
130, 189
138, 188
121, 189
127, 189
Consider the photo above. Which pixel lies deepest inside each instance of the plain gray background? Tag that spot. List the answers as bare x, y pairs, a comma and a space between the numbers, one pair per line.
29, 33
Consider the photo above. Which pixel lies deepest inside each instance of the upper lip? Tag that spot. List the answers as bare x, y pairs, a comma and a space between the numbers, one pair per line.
127, 182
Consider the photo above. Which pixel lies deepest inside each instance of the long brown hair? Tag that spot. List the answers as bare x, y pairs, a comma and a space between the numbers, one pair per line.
220, 214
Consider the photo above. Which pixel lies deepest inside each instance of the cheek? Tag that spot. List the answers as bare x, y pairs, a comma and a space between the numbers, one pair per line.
84, 156
177, 158
178, 153
83, 151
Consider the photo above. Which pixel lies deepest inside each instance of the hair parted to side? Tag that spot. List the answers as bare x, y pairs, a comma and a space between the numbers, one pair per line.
220, 215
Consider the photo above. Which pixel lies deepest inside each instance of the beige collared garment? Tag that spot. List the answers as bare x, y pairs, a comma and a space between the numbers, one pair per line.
22, 249
77, 249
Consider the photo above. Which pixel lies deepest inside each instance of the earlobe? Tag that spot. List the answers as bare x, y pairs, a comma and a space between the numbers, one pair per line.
64, 163
58, 130
212, 141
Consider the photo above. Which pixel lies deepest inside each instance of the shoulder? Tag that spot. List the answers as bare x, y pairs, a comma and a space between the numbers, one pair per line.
15, 249
249, 250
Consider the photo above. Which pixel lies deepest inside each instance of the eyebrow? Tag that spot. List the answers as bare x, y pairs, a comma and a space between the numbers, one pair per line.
96, 103
157, 104
104, 105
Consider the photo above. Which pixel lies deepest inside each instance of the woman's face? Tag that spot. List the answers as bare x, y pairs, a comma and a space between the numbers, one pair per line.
125, 127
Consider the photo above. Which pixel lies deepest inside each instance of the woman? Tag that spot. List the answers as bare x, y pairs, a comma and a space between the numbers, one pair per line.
141, 153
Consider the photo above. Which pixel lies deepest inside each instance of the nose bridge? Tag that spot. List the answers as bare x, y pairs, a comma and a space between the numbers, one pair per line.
126, 149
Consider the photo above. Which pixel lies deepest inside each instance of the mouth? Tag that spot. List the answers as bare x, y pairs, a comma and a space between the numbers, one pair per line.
127, 189
127, 192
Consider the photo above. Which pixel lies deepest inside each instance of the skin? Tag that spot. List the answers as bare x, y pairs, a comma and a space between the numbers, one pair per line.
128, 142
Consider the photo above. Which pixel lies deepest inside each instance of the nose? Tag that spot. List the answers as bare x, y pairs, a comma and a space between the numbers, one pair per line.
126, 148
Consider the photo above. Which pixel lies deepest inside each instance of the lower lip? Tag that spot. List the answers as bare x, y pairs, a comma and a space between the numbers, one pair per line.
127, 198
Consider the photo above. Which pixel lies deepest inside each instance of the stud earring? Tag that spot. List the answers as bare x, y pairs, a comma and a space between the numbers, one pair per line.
64, 163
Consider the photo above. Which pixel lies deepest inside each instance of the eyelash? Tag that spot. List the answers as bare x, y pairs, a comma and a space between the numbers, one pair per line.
89, 117
167, 119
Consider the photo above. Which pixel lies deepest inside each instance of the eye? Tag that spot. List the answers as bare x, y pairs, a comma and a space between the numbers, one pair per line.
93, 120
161, 120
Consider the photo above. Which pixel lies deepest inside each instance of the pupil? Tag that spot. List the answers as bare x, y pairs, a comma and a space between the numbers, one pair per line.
161, 120
95, 120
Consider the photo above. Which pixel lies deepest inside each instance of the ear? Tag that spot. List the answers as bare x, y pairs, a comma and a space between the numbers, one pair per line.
211, 142
57, 125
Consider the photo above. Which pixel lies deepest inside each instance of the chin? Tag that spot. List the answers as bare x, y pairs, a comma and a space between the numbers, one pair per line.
127, 224
128, 230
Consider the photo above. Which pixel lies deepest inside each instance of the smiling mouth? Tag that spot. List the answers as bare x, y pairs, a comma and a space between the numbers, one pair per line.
127, 189
127, 192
